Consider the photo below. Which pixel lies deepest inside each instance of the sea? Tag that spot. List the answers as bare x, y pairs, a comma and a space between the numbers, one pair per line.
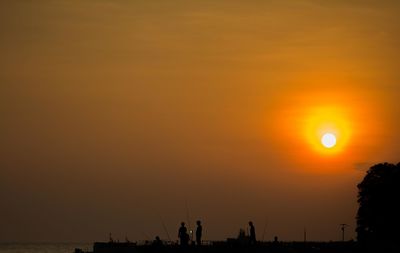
44, 247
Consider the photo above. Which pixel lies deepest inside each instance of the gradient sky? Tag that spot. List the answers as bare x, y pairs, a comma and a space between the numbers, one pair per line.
117, 115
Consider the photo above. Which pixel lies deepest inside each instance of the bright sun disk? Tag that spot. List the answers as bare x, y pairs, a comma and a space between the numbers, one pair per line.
328, 140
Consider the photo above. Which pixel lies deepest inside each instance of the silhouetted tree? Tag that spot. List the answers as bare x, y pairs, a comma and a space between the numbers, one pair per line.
378, 216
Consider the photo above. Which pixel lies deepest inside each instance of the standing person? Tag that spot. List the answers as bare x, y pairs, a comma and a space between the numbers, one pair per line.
183, 235
199, 232
252, 234
157, 242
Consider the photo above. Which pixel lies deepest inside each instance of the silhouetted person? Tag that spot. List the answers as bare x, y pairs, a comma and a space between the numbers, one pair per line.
275, 243
183, 235
252, 236
242, 234
199, 232
157, 242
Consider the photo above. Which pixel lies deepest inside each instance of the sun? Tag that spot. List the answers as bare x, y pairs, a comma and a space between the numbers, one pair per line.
327, 129
328, 140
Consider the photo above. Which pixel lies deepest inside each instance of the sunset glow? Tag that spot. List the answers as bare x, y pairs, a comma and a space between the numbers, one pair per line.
323, 120
115, 113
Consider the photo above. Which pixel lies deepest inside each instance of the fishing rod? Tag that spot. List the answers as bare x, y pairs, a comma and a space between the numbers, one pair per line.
265, 229
165, 228
188, 220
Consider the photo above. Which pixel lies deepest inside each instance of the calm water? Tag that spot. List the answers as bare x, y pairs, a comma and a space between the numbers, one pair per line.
43, 247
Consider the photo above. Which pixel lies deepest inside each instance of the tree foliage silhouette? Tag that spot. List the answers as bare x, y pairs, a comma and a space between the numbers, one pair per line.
378, 216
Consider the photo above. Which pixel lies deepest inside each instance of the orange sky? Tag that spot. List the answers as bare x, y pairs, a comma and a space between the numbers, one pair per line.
116, 113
